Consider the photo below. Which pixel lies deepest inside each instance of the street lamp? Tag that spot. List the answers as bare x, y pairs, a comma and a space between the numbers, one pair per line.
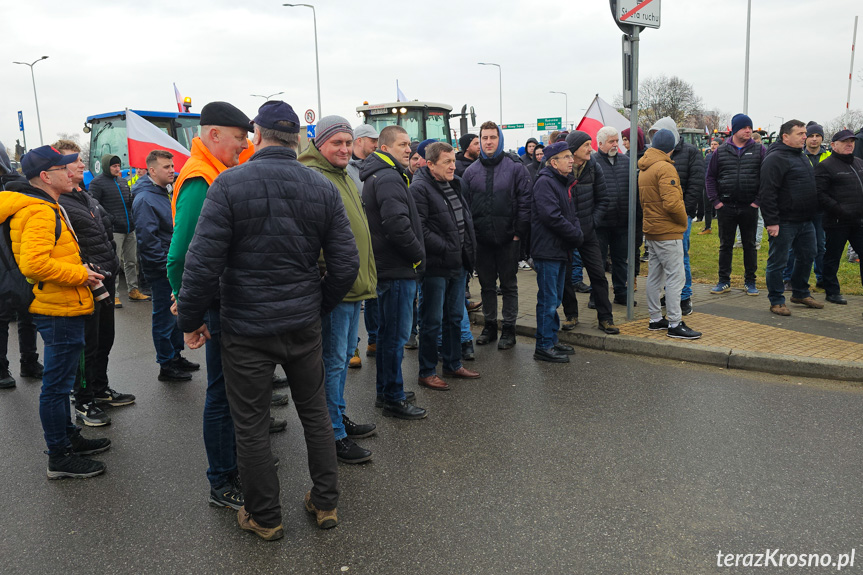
746, 72
266, 97
566, 102
32, 75
317, 66
500, 84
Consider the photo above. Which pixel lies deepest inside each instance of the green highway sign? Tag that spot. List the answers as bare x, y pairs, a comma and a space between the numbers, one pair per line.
549, 123
512, 126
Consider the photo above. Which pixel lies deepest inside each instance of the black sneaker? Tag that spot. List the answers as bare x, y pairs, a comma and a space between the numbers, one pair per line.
277, 425
410, 396
91, 415
564, 348
83, 446
550, 355
280, 399
184, 364
507, 337
171, 373
279, 381
32, 369
582, 287
349, 452
467, 351
357, 430
6, 379
229, 495
686, 306
404, 410
660, 325
72, 465
488, 335
683, 332
114, 398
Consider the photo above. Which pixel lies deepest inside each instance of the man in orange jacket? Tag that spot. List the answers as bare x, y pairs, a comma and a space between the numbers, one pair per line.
51, 261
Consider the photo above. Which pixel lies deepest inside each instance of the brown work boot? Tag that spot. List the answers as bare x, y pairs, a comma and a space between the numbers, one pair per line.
117, 303
808, 302
434, 382
248, 524
780, 309
326, 519
136, 295
569, 323
355, 360
371, 349
705, 232
608, 327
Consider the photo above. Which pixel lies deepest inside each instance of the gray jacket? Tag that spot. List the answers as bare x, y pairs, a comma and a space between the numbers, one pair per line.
354, 172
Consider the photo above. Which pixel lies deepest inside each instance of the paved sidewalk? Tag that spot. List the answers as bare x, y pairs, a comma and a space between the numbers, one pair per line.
739, 332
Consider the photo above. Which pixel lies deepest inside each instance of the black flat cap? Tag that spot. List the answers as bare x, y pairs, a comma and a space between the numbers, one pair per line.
224, 114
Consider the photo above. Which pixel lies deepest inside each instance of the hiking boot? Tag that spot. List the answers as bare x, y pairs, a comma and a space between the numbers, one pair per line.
349, 452
412, 342
621, 300
229, 495
117, 303
569, 323
357, 430
91, 415
371, 349
184, 364
720, 288
169, 372
780, 309
660, 325
83, 446
114, 398
608, 327
467, 351
73, 466
280, 399
682, 331
6, 379
278, 425
751, 289
488, 335
32, 369
325, 519
136, 295
808, 302
355, 360
582, 287
507, 337
686, 306
410, 397
550, 355
403, 410
837, 299
244, 519
279, 381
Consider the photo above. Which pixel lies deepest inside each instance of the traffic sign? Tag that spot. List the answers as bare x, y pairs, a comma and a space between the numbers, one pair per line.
20, 120
310, 116
638, 12
512, 126
310, 131
549, 123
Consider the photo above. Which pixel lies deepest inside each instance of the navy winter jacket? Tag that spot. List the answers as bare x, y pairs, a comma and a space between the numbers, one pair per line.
555, 229
154, 226
616, 178
787, 192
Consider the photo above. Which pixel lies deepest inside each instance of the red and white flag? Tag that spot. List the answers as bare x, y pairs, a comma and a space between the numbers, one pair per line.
179, 99
145, 137
600, 113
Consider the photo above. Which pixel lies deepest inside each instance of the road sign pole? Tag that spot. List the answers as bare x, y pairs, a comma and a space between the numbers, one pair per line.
633, 179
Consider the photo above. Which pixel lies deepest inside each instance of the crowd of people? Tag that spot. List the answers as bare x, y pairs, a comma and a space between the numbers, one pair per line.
268, 255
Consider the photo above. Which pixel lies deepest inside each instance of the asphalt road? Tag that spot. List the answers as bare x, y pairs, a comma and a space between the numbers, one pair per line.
609, 465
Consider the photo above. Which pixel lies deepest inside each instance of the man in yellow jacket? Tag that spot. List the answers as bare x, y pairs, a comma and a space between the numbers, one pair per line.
51, 261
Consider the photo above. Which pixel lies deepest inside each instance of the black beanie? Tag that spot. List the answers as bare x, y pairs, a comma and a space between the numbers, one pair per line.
576, 139
115, 161
465, 141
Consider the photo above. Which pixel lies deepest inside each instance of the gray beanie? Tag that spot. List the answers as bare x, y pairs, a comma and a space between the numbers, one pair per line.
663, 140
329, 126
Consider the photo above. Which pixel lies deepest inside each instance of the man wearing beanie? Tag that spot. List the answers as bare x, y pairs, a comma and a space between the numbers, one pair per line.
731, 182
329, 154
260, 235
590, 200
665, 222
469, 146
498, 192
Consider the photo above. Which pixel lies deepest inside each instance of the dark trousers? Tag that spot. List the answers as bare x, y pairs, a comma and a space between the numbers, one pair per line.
219, 441
370, 318
26, 337
570, 304
493, 263
441, 311
249, 364
731, 217
92, 380
708, 211
594, 264
167, 337
613, 242
395, 304
834, 250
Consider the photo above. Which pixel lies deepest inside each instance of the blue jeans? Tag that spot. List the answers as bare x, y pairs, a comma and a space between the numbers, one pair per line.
64, 342
466, 335
550, 278
441, 313
801, 237
338, 337
395, 316
219, 440
578, 267
686, 293
821, 246
167, 337
370, 318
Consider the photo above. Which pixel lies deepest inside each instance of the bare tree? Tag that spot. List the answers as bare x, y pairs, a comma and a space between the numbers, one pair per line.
76, 137
662, 96
853, 120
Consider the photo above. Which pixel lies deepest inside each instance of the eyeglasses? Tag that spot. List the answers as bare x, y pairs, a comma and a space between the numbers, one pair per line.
60, 169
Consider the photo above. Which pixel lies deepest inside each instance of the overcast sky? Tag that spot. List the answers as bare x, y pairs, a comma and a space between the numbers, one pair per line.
108, 55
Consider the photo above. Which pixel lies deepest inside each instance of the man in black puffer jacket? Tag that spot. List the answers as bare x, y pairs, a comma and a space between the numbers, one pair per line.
789, 200
95, 239
449, 245
498, 192
258, 239
469, 144
839, 181
397, 240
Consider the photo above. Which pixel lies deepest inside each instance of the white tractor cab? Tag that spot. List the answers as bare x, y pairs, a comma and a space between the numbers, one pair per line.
422, 120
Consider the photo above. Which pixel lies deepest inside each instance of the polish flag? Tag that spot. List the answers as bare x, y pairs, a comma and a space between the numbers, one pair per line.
179, 99
145, 137
600, 113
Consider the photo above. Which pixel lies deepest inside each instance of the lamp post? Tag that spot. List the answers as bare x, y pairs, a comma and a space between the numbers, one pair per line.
317, 65
500, 84
566, 102
266, 97
33, 76
746, 73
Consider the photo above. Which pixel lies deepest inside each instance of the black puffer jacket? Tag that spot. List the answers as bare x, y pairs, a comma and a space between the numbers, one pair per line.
590, 197
690, 167
462, 163
555, 229
858, 147
92, 230
498, 191
261, 231
787, 191
114, 195
734, 174
616, 178
394, 222
839, 181
446, 254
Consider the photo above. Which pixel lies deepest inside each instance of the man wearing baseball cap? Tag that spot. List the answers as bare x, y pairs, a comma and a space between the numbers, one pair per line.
839, 181
259, 237
46, 251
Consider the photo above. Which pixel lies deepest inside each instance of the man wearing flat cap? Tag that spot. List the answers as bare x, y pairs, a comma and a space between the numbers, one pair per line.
262, 229
839, 182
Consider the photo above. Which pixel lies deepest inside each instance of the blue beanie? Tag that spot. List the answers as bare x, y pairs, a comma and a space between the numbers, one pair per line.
740, 121
663, 140
421, 149
554, 149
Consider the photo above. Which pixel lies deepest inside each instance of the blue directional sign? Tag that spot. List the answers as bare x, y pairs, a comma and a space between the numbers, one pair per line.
310, 131
20, 120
